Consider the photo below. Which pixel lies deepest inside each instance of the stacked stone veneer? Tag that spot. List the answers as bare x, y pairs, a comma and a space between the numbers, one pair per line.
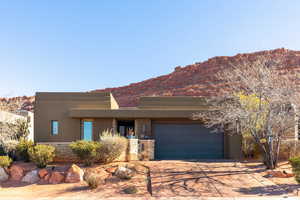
133, 149
62, 151
146, 149
136, 150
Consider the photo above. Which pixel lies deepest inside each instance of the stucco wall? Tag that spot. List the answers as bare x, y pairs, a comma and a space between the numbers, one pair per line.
143, 128
101, 125
56, 106
8, 117
232, 146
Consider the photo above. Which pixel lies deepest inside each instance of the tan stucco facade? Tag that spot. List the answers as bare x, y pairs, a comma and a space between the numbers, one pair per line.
70, 108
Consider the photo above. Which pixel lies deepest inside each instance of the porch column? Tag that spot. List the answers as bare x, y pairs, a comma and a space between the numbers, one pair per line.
133, 149
114, 126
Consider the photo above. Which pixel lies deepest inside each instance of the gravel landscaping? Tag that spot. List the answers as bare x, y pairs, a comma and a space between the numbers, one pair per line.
149, 180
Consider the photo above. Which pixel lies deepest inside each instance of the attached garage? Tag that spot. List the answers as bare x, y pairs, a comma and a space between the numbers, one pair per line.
187, 141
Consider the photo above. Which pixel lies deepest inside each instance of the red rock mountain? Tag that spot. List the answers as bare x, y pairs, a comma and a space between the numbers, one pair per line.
192, 80
196, 79
15, 103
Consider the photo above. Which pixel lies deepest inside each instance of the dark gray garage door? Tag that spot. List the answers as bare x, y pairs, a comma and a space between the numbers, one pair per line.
187, 141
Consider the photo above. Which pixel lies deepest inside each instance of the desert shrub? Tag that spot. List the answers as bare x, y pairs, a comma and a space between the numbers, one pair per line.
2, 152
289, 149
92, 180
112, 146
9, 148
85, 150
10, 134
22, 149
295, 162
250, 148
5, 161
130, 190
41, 155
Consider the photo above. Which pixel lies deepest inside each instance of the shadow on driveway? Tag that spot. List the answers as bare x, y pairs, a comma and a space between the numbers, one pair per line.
270, 190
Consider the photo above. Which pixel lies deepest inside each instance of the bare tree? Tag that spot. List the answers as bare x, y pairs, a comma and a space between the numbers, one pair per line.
259, 98
11, 133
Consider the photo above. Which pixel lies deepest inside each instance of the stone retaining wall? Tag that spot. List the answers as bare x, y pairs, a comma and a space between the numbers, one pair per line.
63, 152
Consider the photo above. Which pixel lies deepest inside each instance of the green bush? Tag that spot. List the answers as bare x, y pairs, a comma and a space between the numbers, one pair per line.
295, 162
2, 152
112, 146
9, 148
5, 161
250, 148
22, 149
289, 149
92, 180
85, 151
42, 155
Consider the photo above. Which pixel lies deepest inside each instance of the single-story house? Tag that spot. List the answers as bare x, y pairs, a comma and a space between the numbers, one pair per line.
162, 126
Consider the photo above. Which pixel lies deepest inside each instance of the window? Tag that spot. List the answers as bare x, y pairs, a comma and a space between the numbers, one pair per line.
54, 127
87, 130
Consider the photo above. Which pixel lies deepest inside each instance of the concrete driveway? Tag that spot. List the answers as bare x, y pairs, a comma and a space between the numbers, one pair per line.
214, 179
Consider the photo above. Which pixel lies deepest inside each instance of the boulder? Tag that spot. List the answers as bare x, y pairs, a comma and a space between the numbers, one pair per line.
74, 174
3, 175
16, 172
124, 173
43, 173
56, 177
279, 174
47, 177
100, 174
31, 177
288, 173
27, 166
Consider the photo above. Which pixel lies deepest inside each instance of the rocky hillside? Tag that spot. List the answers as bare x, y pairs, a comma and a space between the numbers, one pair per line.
15, 103
196, 79
192, 80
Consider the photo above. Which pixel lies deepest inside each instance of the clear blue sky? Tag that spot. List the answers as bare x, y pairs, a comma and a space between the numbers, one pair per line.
74, 45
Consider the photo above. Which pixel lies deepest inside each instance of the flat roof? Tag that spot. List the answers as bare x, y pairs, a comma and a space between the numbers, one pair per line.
132, 113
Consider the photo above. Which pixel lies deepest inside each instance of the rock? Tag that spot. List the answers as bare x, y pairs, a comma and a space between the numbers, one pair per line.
43, 173
27, 166
3, 175
16, 172
279, 174
124, 173
288, 174
31, 177
56, 177
111, 170
100, 174
74, 174
47, 177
